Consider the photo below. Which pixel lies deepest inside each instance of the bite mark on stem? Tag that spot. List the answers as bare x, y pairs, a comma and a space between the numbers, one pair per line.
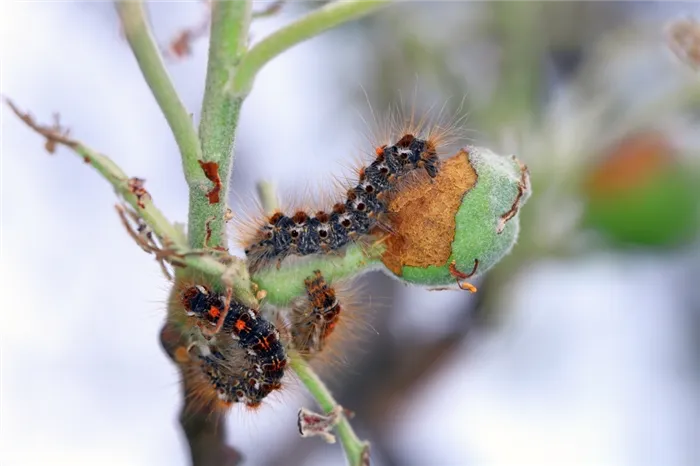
211, 171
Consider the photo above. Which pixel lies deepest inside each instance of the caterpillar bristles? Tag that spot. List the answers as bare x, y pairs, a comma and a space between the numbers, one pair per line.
302, 233
210, 374
243, 363
323, 324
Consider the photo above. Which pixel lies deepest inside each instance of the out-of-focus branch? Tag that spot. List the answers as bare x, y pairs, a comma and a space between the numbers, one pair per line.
316, 22
132, 190
147, 53
270, 10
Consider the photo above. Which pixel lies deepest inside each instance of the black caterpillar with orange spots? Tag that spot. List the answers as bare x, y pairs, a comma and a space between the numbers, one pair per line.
265, 355
303, 234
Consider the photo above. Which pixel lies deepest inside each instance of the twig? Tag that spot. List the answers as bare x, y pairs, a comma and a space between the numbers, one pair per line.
181, 45
272, 9
144, 239
316, 22
356, 450
148, 56
171, 238
108, 169
217, 128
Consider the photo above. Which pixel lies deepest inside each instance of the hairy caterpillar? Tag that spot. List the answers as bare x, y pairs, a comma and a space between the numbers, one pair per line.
314, 317
236, 380
362, 211
324, 324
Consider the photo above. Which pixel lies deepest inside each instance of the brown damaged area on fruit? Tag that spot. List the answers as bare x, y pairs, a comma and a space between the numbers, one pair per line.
423, 219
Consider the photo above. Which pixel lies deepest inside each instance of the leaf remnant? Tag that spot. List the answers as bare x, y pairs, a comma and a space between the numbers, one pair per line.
313, 424
54, 134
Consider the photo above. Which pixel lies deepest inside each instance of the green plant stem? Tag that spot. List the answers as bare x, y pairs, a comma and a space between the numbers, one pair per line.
287, 283
316, 22
267, 196
154, 218
220, 109
148, 56
355, 449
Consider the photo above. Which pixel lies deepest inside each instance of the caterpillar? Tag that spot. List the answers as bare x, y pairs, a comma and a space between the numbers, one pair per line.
325, 323
265, 358
301, 234
314, 317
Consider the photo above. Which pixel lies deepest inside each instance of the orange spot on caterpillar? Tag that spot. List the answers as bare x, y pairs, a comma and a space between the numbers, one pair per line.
211, 171
181, 354
300, 217
275, 217
222, 372
405, 140
241, 325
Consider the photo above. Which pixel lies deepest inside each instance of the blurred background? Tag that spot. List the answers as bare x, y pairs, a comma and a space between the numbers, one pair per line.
581, 348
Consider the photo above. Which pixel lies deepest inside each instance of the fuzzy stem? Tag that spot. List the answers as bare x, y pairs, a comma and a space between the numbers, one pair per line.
217, 128
267, 196
357, 451
142, 43
316, 22
285, 284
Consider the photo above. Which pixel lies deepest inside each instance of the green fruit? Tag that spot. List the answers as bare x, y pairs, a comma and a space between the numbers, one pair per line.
641, 194
461, 223
660, 211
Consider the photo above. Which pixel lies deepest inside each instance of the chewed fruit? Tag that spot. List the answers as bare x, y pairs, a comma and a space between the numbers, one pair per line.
461, 222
